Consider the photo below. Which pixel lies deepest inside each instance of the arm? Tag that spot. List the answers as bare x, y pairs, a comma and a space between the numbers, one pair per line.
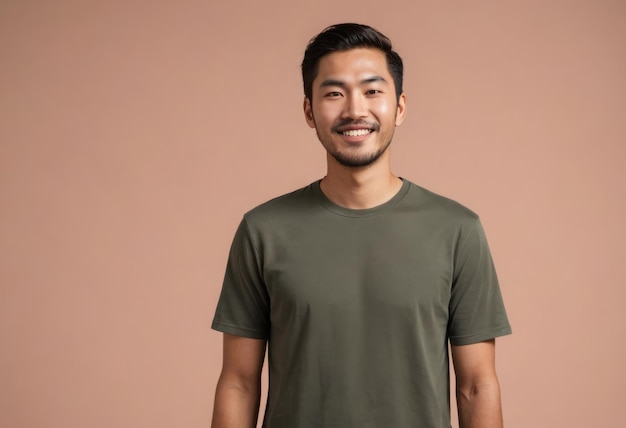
238, 390
477, 387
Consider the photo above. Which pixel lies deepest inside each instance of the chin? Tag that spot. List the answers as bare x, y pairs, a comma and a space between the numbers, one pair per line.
357, 161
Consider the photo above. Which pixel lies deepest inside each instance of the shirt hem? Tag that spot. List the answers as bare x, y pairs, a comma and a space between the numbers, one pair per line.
238, 331
482, 336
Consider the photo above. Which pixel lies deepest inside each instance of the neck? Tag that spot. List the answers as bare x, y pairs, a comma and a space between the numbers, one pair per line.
360, 188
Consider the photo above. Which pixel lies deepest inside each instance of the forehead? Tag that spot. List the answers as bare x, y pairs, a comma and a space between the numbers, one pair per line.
353, 63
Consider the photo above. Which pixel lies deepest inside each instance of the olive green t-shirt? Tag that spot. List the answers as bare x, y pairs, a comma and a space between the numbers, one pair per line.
358, 306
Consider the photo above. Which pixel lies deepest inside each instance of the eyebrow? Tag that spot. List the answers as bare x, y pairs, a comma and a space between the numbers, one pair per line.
342, 84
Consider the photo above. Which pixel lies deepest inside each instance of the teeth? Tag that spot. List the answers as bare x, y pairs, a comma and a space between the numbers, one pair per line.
356, 132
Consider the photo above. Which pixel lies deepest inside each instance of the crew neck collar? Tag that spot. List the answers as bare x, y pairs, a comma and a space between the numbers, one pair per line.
366, 212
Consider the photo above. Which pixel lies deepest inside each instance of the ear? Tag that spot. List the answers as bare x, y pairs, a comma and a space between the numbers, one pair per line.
308, 113
401, 110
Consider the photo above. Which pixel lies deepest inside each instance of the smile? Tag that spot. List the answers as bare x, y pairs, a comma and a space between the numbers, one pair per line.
356, 132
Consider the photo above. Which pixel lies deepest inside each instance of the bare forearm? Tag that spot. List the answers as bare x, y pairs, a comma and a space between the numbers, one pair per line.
479, 406
235, 407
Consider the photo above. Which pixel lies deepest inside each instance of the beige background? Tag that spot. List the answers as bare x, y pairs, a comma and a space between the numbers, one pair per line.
135, 134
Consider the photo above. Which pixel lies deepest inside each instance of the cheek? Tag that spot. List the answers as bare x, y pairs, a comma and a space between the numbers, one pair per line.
325, 114
386, 108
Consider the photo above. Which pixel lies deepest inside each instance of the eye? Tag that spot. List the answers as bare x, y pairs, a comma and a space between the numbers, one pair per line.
333, 94
373, 92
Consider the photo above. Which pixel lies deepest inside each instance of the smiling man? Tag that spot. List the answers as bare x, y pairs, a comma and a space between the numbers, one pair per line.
357, 283
356, 108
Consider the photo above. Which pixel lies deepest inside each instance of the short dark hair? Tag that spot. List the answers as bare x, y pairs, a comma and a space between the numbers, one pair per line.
342, 37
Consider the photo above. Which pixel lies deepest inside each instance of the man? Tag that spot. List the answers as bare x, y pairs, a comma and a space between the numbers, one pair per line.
358, 282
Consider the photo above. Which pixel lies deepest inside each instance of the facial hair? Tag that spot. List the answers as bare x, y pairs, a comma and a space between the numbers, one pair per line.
366, 159
361, 161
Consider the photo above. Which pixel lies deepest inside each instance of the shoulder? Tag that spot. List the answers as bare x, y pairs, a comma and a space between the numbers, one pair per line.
437, 205
284, 206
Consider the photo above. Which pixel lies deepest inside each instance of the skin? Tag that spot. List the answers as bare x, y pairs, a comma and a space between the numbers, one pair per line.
238, 391
477, 386
355, 91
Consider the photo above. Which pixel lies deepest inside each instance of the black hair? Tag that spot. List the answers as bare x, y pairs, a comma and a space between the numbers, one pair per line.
342, 37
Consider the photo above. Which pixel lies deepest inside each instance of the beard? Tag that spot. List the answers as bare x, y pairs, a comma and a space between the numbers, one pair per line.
356, 160
359, 160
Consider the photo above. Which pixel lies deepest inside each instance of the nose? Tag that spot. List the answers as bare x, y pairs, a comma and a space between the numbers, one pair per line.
356, 106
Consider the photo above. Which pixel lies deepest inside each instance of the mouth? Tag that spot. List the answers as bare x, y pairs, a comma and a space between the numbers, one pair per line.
356, 128
356, 132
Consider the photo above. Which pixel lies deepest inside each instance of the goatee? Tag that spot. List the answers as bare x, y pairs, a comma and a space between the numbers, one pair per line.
357, 161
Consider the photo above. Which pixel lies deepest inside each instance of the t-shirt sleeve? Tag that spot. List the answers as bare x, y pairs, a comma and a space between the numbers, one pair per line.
243, 306
476, 310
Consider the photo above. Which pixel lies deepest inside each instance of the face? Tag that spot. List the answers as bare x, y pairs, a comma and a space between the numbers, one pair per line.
354, 107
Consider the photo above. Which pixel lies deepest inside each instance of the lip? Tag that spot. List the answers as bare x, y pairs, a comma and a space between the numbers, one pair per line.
355, 125
353, 128
355, 139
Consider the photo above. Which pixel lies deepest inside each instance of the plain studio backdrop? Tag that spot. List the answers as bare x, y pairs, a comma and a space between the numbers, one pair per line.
135, 134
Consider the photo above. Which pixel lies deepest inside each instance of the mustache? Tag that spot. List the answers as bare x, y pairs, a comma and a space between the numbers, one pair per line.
361, 123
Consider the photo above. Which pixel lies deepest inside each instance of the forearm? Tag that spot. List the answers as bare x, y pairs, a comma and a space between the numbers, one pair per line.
479, 405
236, 406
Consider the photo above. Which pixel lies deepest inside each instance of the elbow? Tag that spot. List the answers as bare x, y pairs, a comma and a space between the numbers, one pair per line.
239, 384
469, 391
